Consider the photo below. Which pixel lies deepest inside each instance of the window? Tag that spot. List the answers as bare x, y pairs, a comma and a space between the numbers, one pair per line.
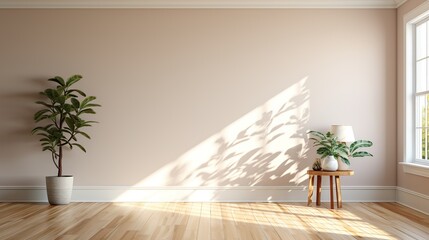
415, 84
421, 91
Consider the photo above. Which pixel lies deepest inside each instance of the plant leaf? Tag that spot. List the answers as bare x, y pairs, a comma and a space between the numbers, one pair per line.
70, 123
73, 79
358, 144
78, 91
362, 154
40, 113
317, 134
84, 134
87, 100
345, 160
44, 104
79, 146
75, 103
87, 110
92, 105
58, 80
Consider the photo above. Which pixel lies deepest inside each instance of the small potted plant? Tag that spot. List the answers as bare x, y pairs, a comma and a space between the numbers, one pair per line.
62, 116
329, 149
330, 146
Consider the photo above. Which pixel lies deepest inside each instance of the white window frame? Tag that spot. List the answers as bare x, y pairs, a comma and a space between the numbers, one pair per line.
410, 163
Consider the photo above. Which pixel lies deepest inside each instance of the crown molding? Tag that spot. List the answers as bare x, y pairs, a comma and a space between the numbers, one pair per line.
399, 2
201, 3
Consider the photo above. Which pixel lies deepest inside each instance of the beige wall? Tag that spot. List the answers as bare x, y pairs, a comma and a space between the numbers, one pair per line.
201, 97
409, 181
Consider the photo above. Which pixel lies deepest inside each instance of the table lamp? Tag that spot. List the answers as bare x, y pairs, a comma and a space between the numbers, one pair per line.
343, 133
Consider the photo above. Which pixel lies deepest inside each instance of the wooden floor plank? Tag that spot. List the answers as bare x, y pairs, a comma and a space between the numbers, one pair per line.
268, 229
204, 231
216, 225
211, 221
191, 228
229, 226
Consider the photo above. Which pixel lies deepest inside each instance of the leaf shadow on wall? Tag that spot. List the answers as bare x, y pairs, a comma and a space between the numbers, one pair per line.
265, 147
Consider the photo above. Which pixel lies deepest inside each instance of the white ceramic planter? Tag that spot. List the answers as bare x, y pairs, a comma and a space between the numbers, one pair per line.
329, 164
342, 165
59, 189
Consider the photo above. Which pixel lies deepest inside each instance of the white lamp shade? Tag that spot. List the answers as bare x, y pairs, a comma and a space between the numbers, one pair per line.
343, 133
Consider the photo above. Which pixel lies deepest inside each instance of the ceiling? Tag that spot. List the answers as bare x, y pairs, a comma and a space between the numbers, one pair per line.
201, 3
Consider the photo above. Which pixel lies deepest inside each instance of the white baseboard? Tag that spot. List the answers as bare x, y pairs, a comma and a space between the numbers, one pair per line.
414, 200
199, 194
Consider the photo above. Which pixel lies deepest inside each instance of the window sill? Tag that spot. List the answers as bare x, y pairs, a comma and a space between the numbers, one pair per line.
416, 169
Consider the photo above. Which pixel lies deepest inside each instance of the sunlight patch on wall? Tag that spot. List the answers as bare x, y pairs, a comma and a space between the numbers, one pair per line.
265, 147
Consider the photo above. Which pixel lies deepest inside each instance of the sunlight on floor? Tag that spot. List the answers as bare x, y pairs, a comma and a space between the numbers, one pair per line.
288, 217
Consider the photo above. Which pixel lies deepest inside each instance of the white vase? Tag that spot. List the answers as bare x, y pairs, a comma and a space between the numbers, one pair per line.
330, 164
59, 189
342, 166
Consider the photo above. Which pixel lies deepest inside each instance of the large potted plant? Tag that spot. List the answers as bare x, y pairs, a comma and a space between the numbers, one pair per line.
330, 149
62, 122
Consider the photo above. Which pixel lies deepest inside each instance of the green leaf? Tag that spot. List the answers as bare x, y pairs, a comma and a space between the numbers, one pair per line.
40, 113
61, 99
44, 104
359, 144
345, 160
88, 110
43, 134
75, 103
317, 134
52, 94
362, 154
58, 80
78, 91
67, 107
83, 134
79, 146
42, 117
87, 100
91, 122
36, 129
73, 79
48, 148
92, 105
70, 123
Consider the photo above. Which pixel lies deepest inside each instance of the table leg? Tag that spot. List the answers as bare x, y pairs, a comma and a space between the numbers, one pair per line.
338, 186
319, 190
310, 189
331, 191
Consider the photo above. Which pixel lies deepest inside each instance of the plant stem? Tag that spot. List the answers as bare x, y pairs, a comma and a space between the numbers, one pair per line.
60, 162
60, 151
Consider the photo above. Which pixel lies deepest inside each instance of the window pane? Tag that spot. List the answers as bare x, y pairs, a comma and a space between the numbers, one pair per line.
420, 107
421, 75
421, 41
421, 126
419, 149
425, 130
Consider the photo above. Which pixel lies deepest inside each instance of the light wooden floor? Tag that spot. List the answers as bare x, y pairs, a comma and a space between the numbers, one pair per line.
210, 221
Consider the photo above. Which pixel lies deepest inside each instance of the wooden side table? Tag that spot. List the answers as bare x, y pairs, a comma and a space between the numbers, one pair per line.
319, 174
